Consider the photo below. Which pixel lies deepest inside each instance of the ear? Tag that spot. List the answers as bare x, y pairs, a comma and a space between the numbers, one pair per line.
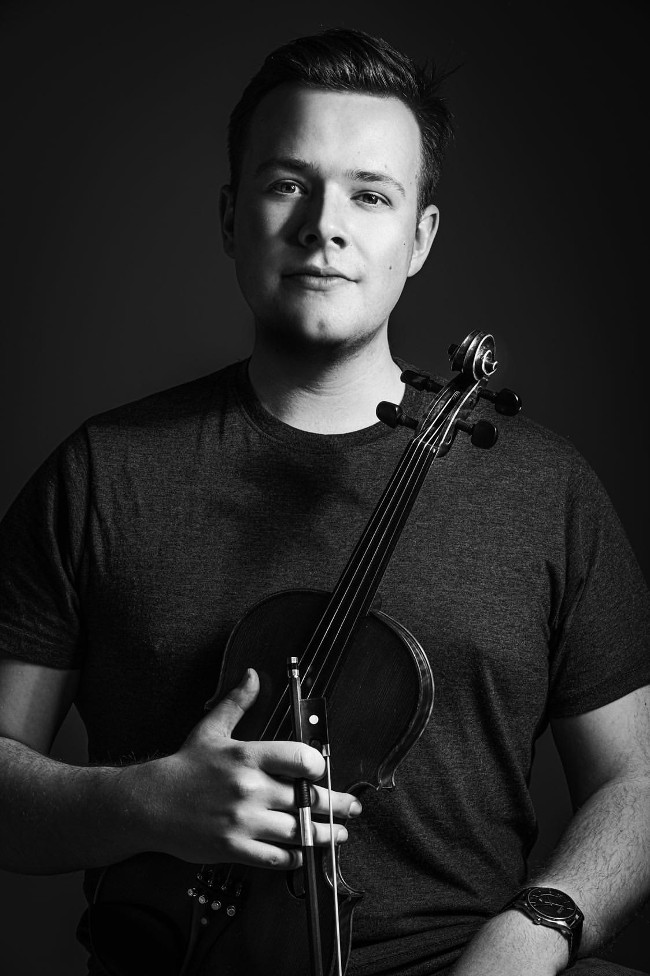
425, 232
227, 213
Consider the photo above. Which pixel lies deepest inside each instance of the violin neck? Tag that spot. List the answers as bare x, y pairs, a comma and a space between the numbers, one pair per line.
357, 587
361, 577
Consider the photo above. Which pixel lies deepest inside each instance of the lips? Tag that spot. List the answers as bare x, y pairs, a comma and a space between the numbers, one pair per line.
315, 271
313, 278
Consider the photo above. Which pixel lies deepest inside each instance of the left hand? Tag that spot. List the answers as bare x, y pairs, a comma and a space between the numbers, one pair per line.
512, 945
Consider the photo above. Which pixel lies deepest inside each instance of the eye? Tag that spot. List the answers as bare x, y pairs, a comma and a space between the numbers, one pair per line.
373, 200
286, 187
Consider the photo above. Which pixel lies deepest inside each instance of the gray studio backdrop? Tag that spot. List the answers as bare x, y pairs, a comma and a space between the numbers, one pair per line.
114, 284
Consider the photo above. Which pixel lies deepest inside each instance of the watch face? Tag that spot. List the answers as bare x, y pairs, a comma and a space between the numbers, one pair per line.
551, 903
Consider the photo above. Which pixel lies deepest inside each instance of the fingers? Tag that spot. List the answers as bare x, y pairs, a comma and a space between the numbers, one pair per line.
279, 795
291, 760
246, 812
287, 761
284, 829
261, 855
274, 841
344, 805
321, 833
225, 715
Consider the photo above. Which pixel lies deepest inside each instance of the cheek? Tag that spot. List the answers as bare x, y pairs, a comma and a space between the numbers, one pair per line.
251, 232
254, 226
397, 260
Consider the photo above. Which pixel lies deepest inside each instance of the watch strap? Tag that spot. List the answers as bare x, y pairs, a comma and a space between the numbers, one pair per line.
570, 927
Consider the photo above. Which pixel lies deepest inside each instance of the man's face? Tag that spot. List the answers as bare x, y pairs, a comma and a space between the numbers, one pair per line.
324, 229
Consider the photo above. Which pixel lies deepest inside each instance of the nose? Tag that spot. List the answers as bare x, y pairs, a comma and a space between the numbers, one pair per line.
323, 222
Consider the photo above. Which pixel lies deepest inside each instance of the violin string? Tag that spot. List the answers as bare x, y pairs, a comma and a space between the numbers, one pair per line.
334, 857
388, 516
401, 481
351, 612
413, 465
282, 703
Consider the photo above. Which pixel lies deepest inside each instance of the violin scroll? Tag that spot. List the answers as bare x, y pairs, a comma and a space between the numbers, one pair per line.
474, 356
474, 360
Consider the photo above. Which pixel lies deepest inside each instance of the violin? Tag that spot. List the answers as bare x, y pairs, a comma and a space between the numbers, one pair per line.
155, 913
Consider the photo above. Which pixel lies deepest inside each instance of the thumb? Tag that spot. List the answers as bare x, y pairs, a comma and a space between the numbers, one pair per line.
228, 711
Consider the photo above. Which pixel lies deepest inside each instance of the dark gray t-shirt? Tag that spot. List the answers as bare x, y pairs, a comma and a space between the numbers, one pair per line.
137, 546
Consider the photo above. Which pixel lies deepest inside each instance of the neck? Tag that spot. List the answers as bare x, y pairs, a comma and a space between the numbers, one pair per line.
325, 394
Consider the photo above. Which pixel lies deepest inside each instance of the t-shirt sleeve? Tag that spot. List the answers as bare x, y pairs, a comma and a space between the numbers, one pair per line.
41, 561
601, 640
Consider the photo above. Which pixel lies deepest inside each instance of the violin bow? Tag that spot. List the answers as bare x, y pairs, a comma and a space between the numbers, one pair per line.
309, 721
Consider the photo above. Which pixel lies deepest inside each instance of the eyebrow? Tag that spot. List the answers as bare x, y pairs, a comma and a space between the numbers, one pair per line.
369, 176
356, 175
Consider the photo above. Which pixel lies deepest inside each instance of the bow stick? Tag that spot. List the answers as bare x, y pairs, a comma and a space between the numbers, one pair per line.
309, 722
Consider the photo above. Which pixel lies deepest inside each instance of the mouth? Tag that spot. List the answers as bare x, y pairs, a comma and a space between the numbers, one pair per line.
317, 278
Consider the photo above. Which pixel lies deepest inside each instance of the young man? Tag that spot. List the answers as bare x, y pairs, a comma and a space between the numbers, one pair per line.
131, 555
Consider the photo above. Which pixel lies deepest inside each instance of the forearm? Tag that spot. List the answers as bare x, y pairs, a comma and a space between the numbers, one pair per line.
56, 818
603, 858
602, 862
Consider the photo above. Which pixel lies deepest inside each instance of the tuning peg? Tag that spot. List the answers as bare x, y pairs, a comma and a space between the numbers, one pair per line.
420, 381
393, 415
484, 434
505, 402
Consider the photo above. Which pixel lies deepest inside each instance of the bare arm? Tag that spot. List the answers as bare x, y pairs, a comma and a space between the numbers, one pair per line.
50, 811
216, 799
603, 858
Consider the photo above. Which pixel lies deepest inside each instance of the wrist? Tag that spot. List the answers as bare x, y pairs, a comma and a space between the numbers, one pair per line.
551, 908
130, 795
157, 797
512, 945
538, 941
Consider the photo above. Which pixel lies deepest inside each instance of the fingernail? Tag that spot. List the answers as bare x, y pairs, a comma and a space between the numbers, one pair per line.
342, 835
355, 808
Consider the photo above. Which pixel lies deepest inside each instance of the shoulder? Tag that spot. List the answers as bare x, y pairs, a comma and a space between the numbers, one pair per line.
529, 450
545, 487
528, 460
165, 420
157, 431
167, 409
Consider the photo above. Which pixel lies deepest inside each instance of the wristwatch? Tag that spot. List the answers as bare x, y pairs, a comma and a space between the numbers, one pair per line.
551, 907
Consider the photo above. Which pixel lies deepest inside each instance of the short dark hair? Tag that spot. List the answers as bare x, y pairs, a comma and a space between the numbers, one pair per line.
350, 60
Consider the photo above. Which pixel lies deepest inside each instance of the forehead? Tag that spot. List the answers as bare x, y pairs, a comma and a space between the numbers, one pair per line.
335, 131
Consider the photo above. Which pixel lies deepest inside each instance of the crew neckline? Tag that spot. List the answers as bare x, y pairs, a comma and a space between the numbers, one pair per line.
261, 419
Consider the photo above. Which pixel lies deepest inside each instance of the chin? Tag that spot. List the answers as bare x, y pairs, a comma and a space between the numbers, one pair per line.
324, 346
317, 331
305, 327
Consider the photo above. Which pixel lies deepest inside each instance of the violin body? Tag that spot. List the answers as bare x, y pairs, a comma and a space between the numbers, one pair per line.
146, 897
384, 665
